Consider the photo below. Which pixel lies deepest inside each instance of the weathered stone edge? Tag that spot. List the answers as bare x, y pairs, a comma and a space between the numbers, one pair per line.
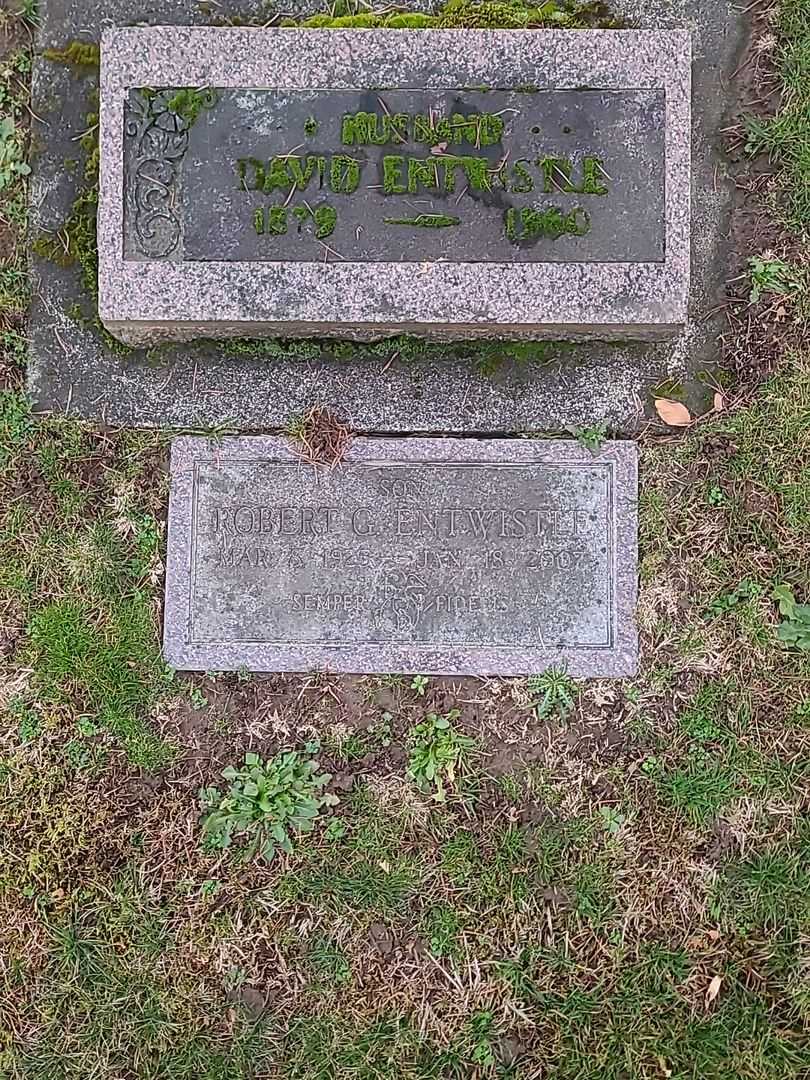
621, 660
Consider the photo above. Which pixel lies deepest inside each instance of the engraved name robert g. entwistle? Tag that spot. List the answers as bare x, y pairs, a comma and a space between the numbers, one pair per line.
450, 522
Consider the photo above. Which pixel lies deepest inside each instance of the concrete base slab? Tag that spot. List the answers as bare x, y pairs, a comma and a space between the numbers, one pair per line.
74, 369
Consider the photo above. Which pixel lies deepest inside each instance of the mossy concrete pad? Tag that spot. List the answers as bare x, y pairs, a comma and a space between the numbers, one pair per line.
445, 556
400, 387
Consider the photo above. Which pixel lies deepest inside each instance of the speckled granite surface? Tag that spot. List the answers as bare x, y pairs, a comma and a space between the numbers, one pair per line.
487, 556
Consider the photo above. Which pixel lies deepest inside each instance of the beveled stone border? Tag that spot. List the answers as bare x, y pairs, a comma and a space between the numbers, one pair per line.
142, 302
617, 660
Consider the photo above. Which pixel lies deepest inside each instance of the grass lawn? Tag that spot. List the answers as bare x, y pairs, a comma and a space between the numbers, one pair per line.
522, 878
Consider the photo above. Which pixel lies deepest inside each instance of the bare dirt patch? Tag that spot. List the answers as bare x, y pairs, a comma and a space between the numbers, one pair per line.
759, 333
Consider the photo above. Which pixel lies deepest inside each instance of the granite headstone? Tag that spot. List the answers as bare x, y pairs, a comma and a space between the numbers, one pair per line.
487, 556
287, 182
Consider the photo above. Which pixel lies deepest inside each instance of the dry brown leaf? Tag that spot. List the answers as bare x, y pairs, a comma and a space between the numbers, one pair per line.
672, 412
714, 989
719, 402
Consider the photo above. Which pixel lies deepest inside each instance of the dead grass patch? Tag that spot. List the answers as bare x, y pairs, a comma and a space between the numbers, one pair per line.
319, 437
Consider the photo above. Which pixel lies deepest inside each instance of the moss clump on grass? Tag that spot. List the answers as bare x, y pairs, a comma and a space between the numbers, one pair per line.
79, 550
105, 662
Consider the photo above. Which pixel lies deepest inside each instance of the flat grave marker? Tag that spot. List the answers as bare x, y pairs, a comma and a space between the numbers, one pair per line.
412, 555
344, 183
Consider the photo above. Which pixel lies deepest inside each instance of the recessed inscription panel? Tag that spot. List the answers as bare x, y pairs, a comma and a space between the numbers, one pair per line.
446, 554
399, 175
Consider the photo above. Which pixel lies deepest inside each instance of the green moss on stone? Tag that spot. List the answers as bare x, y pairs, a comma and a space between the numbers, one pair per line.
301, 176
325, 221
422, 172
529, 223
592, 172
276, 176
425, 221
371, 21
474, 15
669, 388
277, 220
188, 103
76, 243
344, 174
89, 143
486, 356
393, 166
76, 54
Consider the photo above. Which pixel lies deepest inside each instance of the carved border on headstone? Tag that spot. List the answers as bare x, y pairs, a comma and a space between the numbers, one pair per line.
159, 135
